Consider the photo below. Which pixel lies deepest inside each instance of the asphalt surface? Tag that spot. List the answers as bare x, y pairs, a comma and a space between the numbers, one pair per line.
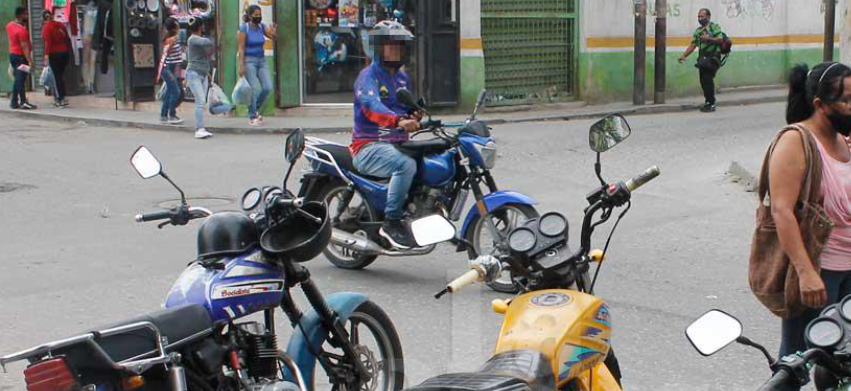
73, 258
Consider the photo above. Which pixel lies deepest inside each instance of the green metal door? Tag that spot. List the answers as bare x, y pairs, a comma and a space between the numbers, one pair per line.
530, 49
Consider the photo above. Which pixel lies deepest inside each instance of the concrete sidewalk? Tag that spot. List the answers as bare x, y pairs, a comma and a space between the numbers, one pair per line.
340, 119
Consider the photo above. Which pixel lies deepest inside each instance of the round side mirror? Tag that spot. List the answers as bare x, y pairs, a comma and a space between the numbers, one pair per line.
608, 132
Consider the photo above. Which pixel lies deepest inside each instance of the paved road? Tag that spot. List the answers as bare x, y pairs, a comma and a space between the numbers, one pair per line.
72, 257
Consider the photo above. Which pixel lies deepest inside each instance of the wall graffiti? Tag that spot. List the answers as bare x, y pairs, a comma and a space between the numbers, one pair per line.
750, 8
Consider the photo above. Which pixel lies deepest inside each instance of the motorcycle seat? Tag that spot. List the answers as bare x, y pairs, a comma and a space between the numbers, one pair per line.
179, 325
509, 371
344, 159
419, 148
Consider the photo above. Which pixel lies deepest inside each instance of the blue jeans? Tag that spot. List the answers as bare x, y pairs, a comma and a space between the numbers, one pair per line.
171, 94
19, 89
383, 160
199, 85
838, 286
257, 74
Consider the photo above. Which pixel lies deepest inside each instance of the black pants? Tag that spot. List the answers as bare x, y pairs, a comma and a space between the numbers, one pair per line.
707, 82
19, 90
58, 63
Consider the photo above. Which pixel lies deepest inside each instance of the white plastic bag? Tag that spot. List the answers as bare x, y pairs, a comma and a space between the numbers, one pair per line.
46, 79
216, 96
242, 93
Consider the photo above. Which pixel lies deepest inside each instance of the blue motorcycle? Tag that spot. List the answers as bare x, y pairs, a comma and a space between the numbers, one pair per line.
450, 166
246, 265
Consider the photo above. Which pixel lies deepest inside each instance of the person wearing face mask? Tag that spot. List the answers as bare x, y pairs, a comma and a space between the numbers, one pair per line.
819, 103
20, 57
376, 108
252, 59
707, 38
57, 54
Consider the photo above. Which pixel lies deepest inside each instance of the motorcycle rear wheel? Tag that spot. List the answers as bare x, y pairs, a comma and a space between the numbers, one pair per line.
337, 255
506, 218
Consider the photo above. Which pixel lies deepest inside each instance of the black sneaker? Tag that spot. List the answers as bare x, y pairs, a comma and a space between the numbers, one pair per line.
708, 108
28, 106
397, 233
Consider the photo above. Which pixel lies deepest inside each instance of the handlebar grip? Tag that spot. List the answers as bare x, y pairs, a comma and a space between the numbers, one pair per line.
290, 202
467, 278
141, 218
645, 177
779, 381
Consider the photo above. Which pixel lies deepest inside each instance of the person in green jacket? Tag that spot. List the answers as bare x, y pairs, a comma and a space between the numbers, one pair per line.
708, 38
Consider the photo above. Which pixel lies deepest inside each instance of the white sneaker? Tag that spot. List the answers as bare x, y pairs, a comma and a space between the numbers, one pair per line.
202, 134
255, 122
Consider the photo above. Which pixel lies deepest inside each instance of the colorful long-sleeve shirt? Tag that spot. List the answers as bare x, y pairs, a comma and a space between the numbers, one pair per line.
713, 30
376, 106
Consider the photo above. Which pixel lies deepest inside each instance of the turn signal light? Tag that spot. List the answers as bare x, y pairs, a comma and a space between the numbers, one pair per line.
596, 255
132, 382
50, 375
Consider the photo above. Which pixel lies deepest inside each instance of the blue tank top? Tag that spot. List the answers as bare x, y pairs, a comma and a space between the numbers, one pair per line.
255, 40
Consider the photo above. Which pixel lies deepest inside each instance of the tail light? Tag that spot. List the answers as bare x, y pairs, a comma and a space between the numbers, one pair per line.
50, 375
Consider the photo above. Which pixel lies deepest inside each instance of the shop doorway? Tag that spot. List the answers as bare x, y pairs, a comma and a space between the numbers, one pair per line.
530, 50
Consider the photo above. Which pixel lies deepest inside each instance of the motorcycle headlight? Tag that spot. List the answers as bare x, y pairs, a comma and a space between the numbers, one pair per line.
488, 154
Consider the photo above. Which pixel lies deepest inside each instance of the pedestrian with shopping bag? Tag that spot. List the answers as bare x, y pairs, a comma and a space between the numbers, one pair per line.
57, 56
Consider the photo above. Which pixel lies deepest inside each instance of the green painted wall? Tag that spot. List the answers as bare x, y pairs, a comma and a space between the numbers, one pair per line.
605, 77
7, 14
288, 80
472, 81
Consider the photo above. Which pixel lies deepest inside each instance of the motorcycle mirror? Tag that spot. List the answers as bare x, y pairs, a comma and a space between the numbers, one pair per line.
713, 331
406, 98
431, 230
422, 102
608, 132
480, 102
294, 146
145, 163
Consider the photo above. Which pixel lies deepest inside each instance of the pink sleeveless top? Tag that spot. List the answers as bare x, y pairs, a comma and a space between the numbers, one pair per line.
836, 187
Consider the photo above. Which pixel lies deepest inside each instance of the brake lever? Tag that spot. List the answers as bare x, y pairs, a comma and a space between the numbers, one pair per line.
315, 219
162, 225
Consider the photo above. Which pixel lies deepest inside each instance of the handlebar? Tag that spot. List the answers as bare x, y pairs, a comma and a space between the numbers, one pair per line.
779, 381
647, 176
178, 216
144, 218
483, 268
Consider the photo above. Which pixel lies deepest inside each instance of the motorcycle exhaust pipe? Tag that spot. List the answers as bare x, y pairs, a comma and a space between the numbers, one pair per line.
368, 247
355, 243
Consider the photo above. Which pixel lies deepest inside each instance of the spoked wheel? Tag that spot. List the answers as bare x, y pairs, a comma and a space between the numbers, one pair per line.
377, 346
506, 218
357, 211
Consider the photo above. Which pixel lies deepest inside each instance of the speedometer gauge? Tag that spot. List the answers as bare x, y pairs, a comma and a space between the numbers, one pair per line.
844, 308
824, 333
552, 224
522, 240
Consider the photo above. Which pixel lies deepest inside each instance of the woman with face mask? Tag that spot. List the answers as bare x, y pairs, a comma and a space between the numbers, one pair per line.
819, 104
252, 59
57, 54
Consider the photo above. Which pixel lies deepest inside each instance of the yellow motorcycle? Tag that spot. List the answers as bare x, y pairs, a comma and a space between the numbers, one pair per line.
556, 334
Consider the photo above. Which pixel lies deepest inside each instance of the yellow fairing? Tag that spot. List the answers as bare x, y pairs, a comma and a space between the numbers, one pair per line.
602, 380
572, 329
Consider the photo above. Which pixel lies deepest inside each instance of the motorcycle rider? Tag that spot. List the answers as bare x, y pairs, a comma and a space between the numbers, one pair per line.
376, 108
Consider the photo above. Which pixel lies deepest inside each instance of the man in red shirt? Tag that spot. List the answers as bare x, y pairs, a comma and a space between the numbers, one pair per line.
57, 54
20, 57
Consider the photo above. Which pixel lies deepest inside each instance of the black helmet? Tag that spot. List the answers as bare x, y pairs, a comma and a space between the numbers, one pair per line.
226, 233
389, 32
298, 237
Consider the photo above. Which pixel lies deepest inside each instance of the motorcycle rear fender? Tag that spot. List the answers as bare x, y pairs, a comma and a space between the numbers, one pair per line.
493, 201
299, 348
312, 184
602, 380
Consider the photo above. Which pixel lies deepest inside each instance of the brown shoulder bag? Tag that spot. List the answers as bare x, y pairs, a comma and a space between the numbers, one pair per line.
771, 274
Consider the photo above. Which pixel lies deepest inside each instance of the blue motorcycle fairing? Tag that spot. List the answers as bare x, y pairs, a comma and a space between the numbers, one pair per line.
437, 170
494, 201
299, 348
246, 285
468, 145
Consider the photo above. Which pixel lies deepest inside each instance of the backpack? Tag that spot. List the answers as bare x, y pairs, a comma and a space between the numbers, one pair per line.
726, 44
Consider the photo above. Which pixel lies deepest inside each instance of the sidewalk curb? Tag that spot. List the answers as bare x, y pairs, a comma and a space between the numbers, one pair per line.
743, 176
590, 114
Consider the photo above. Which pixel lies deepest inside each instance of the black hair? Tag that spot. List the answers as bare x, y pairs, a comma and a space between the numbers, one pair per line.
824, 81
195, 25
708, 12
171, 25
20, 11
250, 10
46, 14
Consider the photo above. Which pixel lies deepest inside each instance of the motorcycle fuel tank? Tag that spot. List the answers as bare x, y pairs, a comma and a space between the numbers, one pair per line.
437, 170
572, 329
247, 284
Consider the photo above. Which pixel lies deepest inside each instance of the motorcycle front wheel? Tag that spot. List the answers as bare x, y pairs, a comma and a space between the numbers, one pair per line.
378, 347
506, 218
